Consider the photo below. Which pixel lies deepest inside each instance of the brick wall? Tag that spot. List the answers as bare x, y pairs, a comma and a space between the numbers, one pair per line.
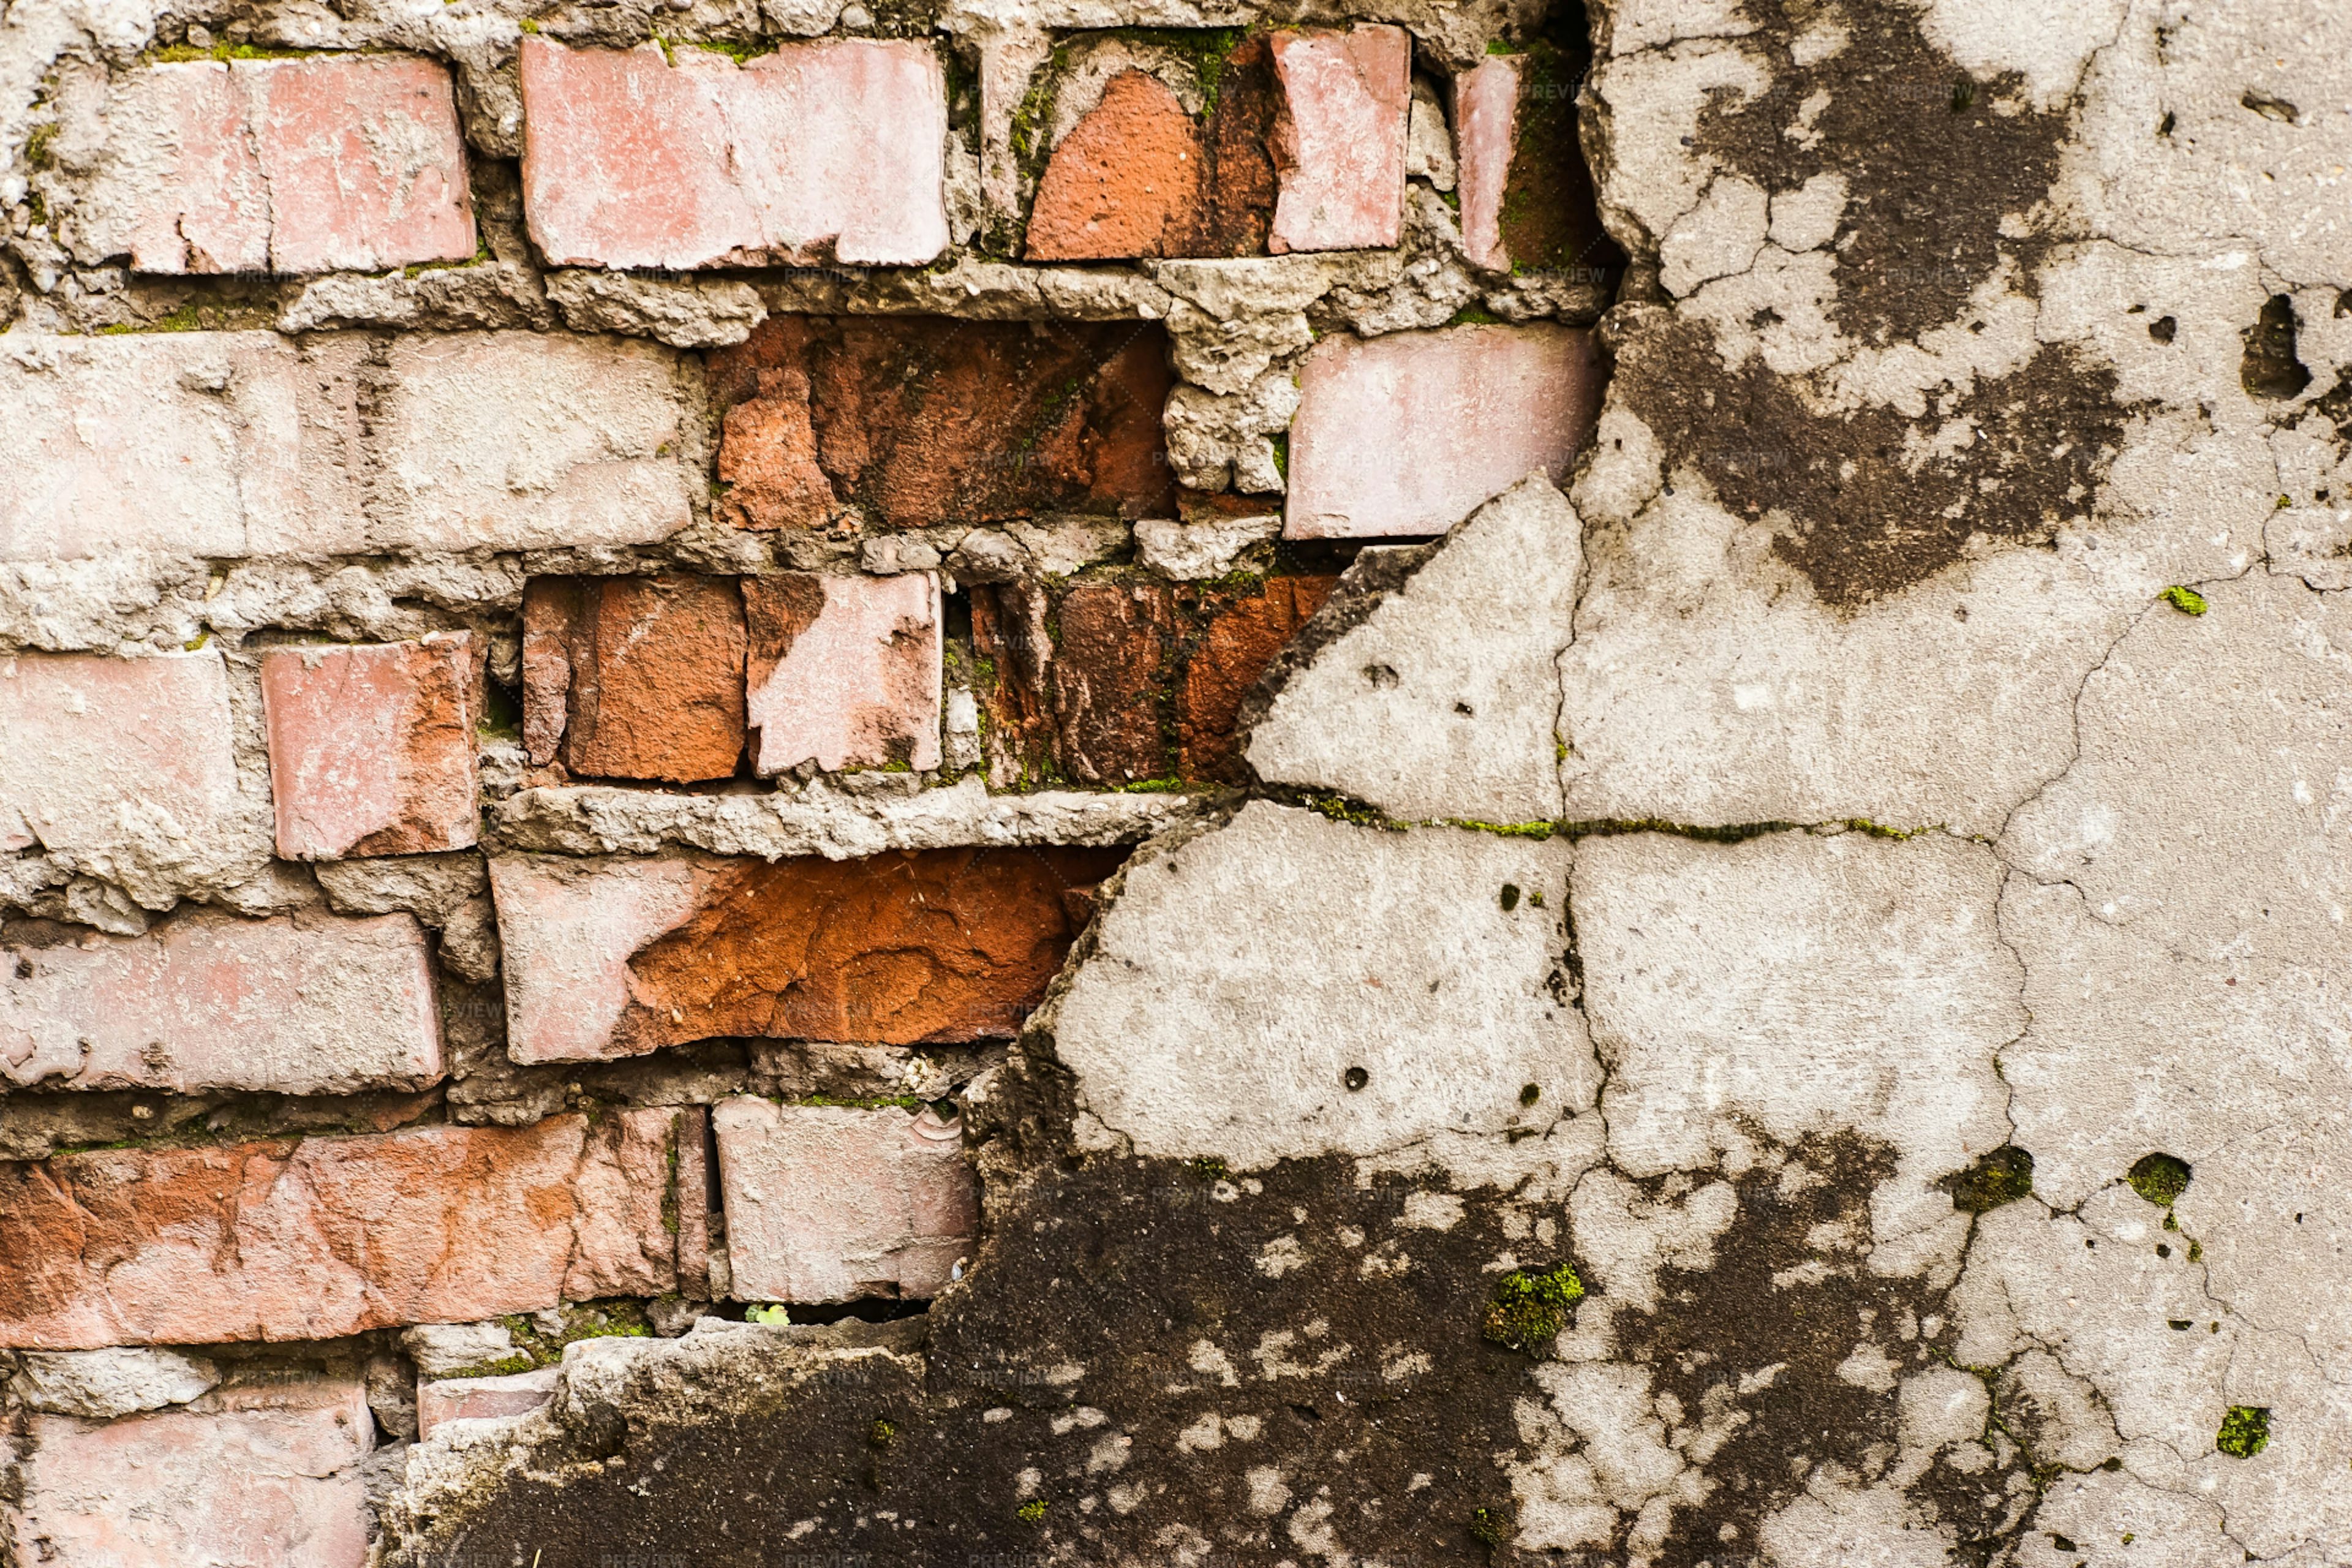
584, 607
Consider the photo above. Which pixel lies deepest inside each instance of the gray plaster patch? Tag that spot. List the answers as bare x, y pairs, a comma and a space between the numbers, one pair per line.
1372, 987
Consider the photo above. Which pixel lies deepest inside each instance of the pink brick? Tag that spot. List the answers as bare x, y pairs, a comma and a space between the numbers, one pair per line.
832, 1203
817, 151
481, 1398
569, 929
844, 671
258, 1477
372, 748
1407, 434
1485, 129
329, 1236
309, 1003
122, 766
296, 165
1342, 161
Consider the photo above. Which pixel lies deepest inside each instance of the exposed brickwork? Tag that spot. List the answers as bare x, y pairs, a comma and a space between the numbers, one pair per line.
266, 1475
480, 1398
832, 1203
608, 959
1527, 197
293, 1005
1534, 391
826, 151
290, 166
844, 671
922, 421
332, 1235
372, 748
1341, 149
1238, 643
636, 677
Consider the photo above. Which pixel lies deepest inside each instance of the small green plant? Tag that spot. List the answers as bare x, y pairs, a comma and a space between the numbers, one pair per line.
1031, 1512
1529, 1307
774, 1313
1209, 1168
2001, 1177
2160, 1179
2188, 601
883, 1433
2245, 1431
1491, 1526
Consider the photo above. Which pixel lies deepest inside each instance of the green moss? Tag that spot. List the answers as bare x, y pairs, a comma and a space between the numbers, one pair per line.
1493, 1526
1505, 829
1529, 1307
1880, 830
1209, 1168
2160, 1179
1502, 47
1153, 786
737, 49
1339, 808
1474, 316
36, 146
874, 1102
1204, 50
2245, 1431
1727, 832
505, 1366
1530, 1093
535, 1346
2003, 1176
1510, 897
173, 54
528, 25
883, 1433
1031, 1512
2188, 601
1281, 445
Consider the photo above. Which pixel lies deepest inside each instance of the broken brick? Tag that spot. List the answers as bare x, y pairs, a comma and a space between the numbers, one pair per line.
614, 958
1347, 97
1108, 661
372, 748
481, 1398
320, 1238
844, 671
920, 420
834, 1202
635, 678
1527, 196
1238, 645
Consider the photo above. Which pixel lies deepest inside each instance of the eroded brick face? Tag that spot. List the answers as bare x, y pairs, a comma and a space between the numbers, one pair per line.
1341, 150
332, 1235
844, 671
635, 678
1110, 683
617, 958
834, 1202
919, 421
372, 748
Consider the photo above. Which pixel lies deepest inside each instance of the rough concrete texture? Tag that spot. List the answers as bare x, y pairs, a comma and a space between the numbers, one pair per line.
100, 1385
1908, 994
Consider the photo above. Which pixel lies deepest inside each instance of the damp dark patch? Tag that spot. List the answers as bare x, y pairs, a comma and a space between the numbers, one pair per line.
1774, 1298
2002, 1176
1859, 511
2270, 367
1103, 1320
1933, 159
2159, 1178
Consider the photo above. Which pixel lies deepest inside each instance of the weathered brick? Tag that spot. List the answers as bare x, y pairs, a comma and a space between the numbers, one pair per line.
1348, 95
307, 1003
1234, 652
1116, 641
260, 1476
203, 444
844, 671
832, 1203
332, 1235
1527, 195
919, 421
528, 441
613, 958
241, 444
372, 748
822, 151
123, 768
637, 678
481, 1398
1479, 408
286, 165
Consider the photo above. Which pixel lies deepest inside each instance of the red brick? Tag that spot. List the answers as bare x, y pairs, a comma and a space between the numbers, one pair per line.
1527, 196
832, 1204
1126, 180
614, 958
844, 671
371, 749
821, 151
1116, 641
1480, 408
481, 1398
260, 1476
1348, 97
330, 1236
312, 1003
318, 164
635, 678
1234, 651
919, 421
